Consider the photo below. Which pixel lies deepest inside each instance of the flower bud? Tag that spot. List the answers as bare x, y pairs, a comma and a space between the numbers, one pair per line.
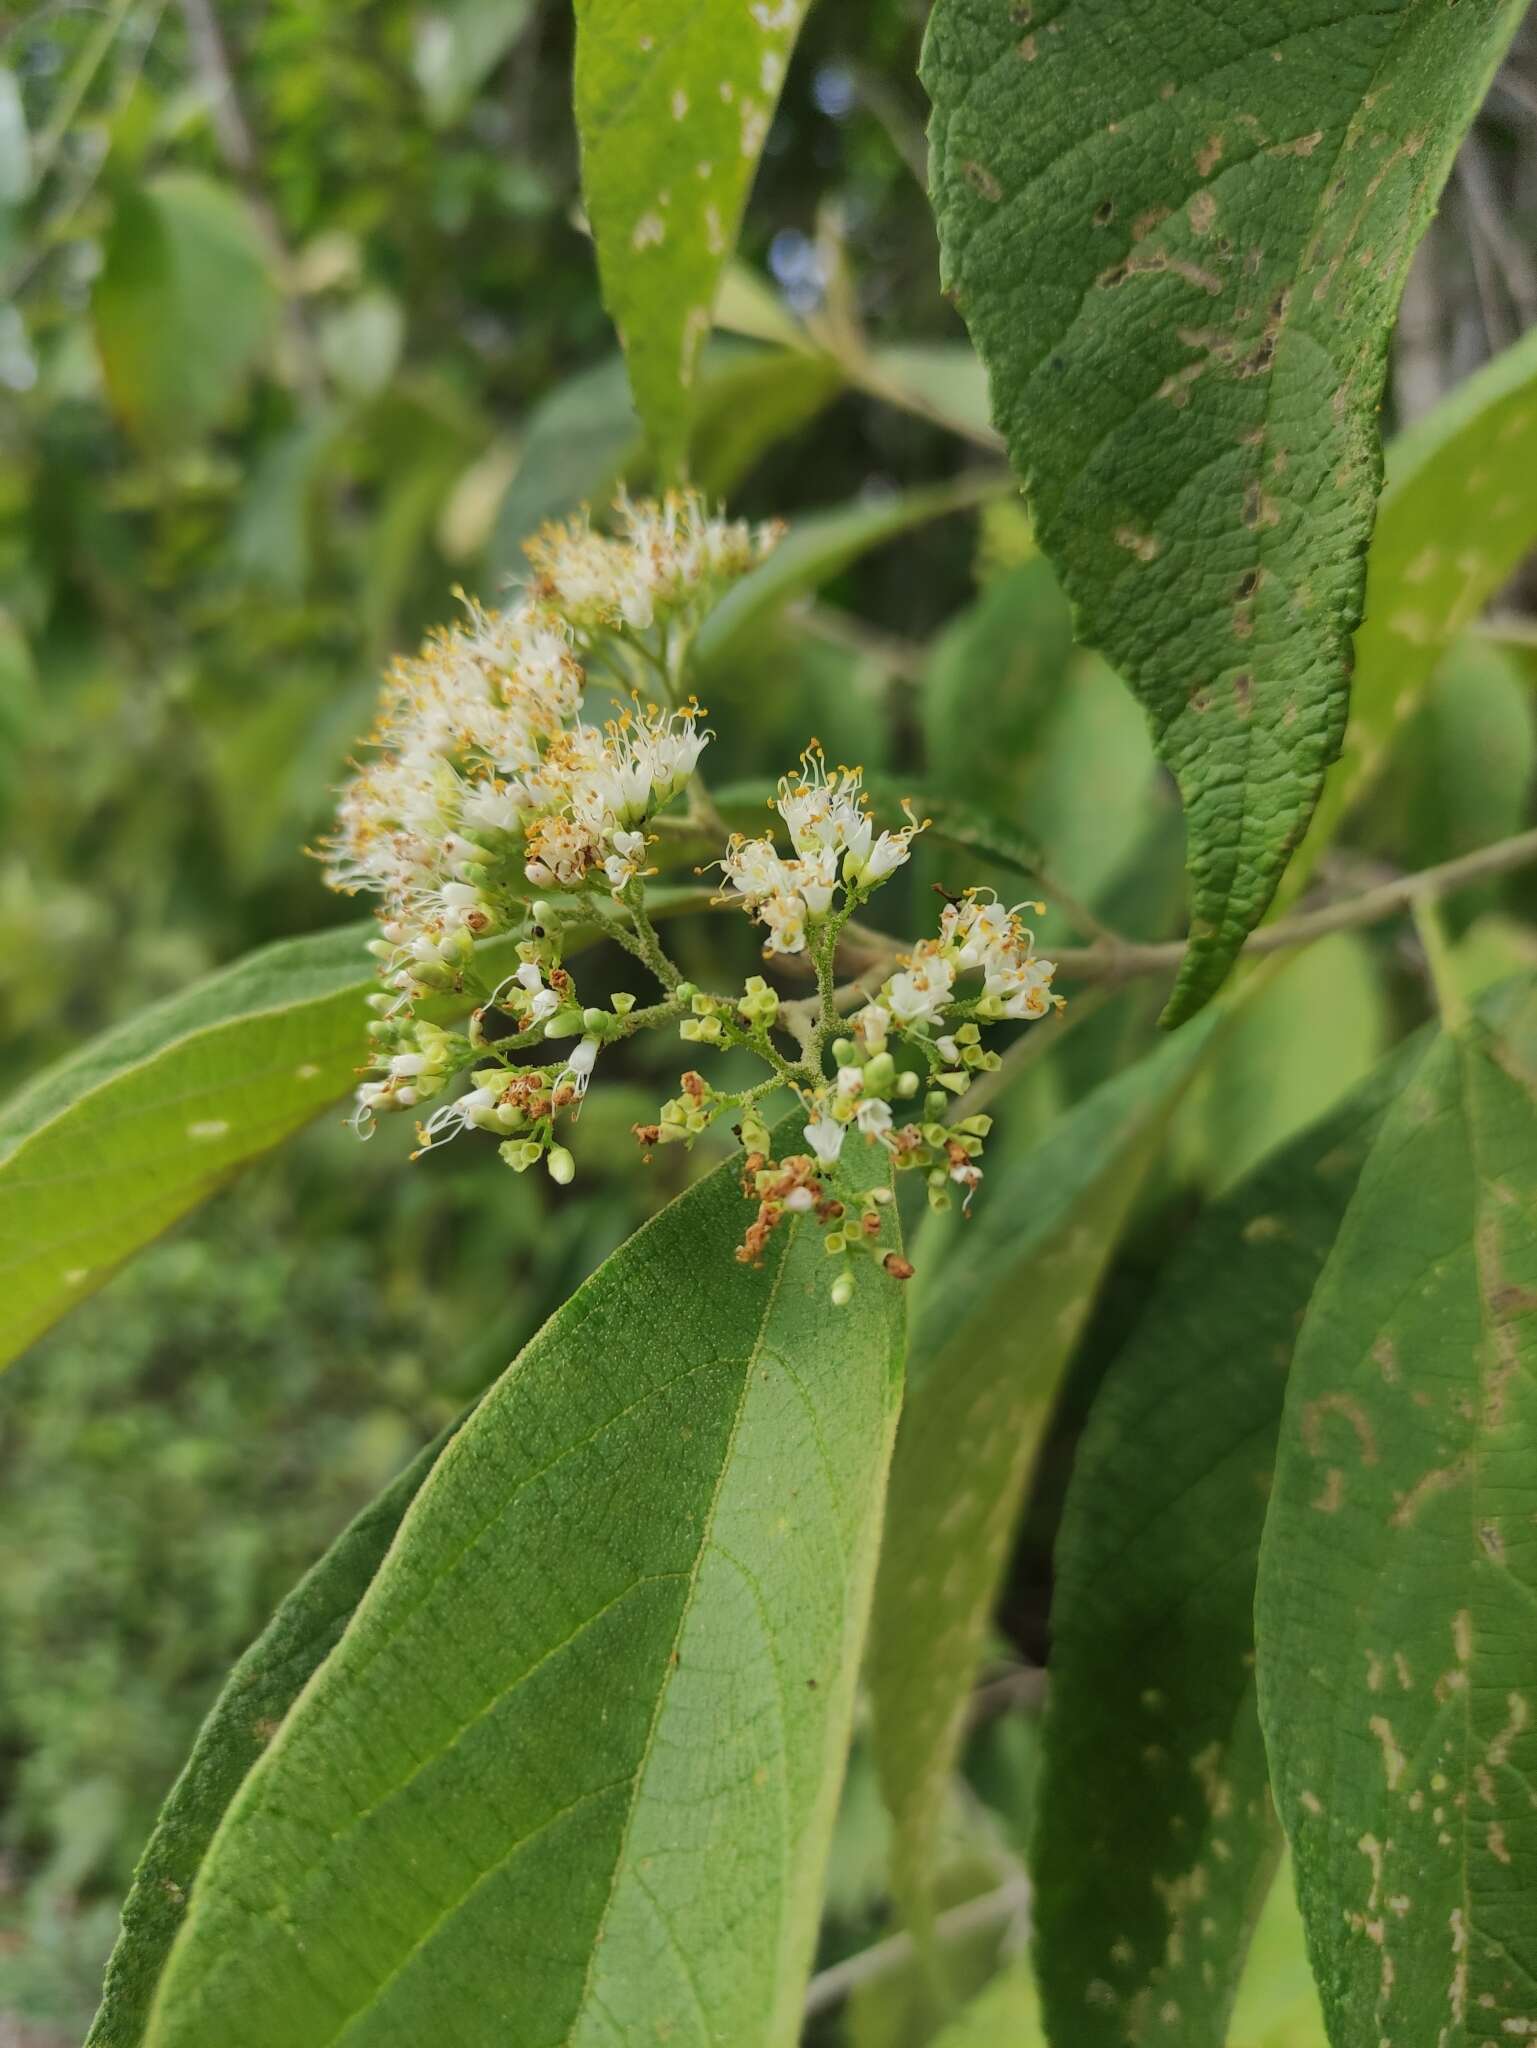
843, 1289
561, 1165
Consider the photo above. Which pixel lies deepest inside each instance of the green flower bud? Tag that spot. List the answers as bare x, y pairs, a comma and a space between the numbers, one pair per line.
843, 1289
561, 1165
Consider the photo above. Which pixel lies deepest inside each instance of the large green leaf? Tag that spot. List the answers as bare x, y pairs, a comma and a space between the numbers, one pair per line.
673, 105
108, 1148
1398, 1574
258, 1693
1178, 235
1006, 2015
995, 1326
570, 1775
183, 306
1155, 1838
1458, 513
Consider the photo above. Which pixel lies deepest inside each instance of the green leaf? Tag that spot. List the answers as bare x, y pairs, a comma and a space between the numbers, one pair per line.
15, 144
109, 1147
1178, 235
820, 546
1277, 2004
1006, 2015
573, 1767
458, 46
673, 105
1397, 1668
1458, 513
183, 306
1155, 1838
1462, 768
993, 677
256, 1696
1303, 1043
994, 1327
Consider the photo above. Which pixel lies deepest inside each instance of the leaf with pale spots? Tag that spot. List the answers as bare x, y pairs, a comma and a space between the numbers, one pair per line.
673, 105
1178, 236
244, 1718
112, 1145
570, 1774
1155, 1837
1458, 513
993, 1333
1398, 1573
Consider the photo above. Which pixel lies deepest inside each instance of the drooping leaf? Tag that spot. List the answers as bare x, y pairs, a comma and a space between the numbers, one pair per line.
1458, 512
1398, 1573
112, 1145
673, 105
1155, 1837
258, 1693
183, 306
1178, 235
995, 1324
823, 544
570, 1775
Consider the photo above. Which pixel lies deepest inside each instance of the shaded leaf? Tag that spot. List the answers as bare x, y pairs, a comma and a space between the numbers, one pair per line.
673, 105
1397, 1669
1458, 513
1006, 2015
669, 1503
1277, 2004
183, 305
1178, 236
1155, 1839
993, 677
820, 546
258, 1693
994, 1327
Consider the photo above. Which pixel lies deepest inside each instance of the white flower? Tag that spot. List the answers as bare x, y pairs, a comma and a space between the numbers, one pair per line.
874, 1117
851, 1080
922, 990
825, 1137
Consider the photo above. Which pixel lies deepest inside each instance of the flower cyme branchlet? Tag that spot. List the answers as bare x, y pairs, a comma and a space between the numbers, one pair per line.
520, 767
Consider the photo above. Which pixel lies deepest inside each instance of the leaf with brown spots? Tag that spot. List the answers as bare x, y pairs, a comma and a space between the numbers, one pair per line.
1178, 235
673, 106
1155, 1836
1398, 1573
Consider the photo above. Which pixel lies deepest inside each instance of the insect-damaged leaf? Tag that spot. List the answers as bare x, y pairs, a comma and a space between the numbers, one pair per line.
673, 105
569, 1776
1398, 1575
258, 1693
1155, 1837
1178, 235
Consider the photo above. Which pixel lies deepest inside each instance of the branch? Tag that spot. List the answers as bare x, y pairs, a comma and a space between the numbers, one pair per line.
993, 1909
1124, 960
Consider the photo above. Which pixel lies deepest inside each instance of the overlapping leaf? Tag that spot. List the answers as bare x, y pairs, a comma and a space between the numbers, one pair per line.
1458, 513
1398, 1575
1155, 1838
673, 105
245, 1717
569, 1777
994, 1330
1178, 235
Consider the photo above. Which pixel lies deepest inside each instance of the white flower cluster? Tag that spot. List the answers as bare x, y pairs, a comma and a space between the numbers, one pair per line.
834, 838
487, 780
922, 1006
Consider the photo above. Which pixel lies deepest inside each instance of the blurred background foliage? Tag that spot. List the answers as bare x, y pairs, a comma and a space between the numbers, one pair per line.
299, 329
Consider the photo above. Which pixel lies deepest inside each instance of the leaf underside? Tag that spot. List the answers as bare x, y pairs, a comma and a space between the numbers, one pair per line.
1398, 1575
1178, 234
569, 1777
